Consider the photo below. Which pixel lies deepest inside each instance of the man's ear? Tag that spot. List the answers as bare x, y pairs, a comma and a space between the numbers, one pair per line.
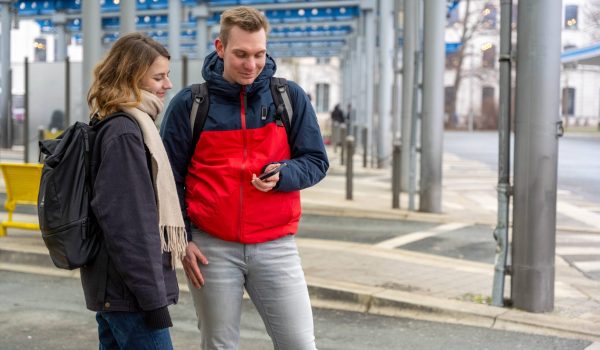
219, 47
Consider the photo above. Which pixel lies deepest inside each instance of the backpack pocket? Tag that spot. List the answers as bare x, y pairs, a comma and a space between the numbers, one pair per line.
71, 246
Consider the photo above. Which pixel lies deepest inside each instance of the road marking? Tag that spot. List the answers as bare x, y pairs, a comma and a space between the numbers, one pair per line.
578, 250
587, 266
417, 236
580, 214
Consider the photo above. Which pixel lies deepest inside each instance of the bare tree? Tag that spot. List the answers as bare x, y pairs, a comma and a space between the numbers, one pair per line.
468, 27
591, 13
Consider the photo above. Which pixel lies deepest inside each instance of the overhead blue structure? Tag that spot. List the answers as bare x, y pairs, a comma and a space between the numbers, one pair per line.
309, 20
585, 55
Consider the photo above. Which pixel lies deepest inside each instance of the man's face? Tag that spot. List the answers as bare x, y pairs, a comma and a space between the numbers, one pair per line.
245, 55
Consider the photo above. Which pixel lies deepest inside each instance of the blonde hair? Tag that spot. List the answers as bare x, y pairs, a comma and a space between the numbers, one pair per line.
247, 18
118, 75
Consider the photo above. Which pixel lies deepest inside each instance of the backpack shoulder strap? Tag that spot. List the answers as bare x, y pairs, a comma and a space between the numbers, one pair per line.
199, 110
280, 94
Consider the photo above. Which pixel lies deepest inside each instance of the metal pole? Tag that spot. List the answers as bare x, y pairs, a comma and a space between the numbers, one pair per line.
365, 137
201, 14
349, 145
430, 194
342, 139
59, 20
5, 114
396, 84
536, 154
386, 71
91, 47
396, 174
174, 29
415, 123
127, 16
504, 189
369, 42
67, 120
411, 18
26, 116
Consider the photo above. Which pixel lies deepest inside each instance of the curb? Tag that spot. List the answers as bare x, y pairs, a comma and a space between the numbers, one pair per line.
332, 294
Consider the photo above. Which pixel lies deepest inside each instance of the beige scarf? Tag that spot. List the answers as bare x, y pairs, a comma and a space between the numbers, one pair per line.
169, 214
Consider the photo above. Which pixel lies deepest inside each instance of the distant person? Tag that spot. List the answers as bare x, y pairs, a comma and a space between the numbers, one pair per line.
337, 120
132, 281
57, 121
243, 225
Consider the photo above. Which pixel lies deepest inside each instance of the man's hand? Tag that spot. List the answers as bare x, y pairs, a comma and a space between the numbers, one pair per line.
193, 255
269, 183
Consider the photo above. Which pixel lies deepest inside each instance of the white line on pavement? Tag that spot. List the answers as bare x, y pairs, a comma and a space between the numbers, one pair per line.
578, 250
579, 214
587, 266
416, 236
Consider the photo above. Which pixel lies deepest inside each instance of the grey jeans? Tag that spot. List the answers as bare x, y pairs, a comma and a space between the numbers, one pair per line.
271, 273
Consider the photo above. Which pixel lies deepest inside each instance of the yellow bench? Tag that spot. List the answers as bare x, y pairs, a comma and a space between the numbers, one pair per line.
22, 186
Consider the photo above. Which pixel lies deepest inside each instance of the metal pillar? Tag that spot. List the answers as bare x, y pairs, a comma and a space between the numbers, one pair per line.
368, 37
127, 16
386, 71
174, 29
411, 27
201, 14
5, 96
92, 52
396, 67
430, 196
504, 189
60, 37
536, 154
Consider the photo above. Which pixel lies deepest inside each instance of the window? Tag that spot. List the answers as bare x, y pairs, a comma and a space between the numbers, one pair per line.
322, 97
452, 60
488, 58
571, 17
490, 15
323, 60
568, 101
452, 16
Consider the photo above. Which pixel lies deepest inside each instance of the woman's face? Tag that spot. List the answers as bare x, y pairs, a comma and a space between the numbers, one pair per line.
156, 80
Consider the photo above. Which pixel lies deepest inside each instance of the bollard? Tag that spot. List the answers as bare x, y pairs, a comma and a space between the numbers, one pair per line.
342, 139
349, 165
365, 135
396, 174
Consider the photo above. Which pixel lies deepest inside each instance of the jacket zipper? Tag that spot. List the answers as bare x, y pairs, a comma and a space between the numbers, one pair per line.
245, 156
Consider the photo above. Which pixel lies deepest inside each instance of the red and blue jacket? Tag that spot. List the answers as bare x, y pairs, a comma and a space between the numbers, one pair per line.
240, 137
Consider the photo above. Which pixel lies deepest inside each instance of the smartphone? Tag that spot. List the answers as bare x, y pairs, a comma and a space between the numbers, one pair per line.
268, 174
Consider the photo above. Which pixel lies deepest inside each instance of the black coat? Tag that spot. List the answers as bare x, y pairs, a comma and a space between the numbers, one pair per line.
131, 273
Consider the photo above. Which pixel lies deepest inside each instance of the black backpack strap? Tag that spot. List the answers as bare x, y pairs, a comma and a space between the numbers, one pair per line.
283, 104
199, 110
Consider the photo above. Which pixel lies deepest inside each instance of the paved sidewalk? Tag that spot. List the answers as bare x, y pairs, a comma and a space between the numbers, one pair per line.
386, 280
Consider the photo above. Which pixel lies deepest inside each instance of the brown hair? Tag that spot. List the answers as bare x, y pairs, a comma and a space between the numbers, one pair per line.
118, 75
247, 18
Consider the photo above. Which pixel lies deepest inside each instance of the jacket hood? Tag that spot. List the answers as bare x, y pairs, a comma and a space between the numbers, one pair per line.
212, 72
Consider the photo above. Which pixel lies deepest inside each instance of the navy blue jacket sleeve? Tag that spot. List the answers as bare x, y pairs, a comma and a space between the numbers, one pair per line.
176, 134
124, 204
309, 161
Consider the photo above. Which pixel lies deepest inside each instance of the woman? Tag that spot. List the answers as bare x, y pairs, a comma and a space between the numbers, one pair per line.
134, 200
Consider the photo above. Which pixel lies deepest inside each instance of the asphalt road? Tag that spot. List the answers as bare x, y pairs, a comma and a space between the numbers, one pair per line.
43, 312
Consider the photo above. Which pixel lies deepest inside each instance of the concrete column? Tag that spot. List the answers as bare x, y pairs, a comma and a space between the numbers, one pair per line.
430, 195
5, 114
411, 27
201, 14
536, 154
127, 16
174, 29
92, 52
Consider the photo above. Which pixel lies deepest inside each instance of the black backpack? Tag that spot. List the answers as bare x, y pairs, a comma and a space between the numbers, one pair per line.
279, 92
64, 198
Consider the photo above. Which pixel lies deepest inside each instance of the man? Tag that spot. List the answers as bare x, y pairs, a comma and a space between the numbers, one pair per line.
242, 227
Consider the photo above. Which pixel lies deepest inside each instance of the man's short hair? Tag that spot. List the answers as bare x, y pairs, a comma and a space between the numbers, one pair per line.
247, 18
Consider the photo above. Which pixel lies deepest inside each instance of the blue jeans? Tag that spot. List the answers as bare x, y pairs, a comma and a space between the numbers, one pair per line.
127, 330
271, 273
